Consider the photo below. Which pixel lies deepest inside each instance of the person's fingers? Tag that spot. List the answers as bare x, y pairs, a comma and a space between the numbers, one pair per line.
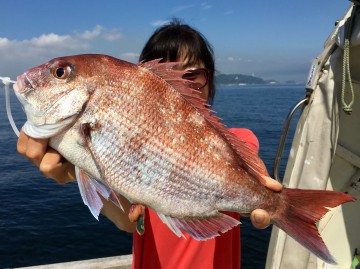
49, 161
54, 166
272, 183
33, 149
260, 219
36, 150
135, 212
22, 143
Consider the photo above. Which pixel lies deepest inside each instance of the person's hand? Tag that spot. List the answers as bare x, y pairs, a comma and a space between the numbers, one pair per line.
260, 218
137, 214
48, 160
54, 166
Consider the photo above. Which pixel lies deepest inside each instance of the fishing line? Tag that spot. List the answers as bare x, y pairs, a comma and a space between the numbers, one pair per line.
6, 81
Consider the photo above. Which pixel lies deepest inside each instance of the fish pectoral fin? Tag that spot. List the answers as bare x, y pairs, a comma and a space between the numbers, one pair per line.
90, 189
200, 229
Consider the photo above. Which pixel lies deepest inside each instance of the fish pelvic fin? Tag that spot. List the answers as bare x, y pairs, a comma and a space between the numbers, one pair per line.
200, 229
299, 212
91, 189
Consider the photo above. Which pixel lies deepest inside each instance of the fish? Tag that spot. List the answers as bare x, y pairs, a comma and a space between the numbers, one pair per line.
140, 131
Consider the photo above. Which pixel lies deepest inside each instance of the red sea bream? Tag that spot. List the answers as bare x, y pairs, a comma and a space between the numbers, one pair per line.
139, 131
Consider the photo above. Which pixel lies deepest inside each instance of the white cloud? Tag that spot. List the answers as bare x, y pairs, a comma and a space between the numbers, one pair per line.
43, 45
233, 59
102, 33
48, 40
18, 55
130, 56
4, 42
112, 35
182, 8
159, 23
227, 13
205, 6
92, 34
265, 68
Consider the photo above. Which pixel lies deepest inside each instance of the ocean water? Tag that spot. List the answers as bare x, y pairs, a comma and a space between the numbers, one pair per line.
44, 222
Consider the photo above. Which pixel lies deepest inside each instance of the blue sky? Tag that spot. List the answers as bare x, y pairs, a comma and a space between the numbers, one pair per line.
271, 39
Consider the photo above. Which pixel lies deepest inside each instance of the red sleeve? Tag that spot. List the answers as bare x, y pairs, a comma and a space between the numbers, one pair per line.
247, 136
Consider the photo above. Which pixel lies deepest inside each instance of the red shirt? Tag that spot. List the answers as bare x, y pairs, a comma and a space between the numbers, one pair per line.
159, 247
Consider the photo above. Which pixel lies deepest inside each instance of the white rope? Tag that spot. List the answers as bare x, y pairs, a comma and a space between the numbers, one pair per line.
6, 81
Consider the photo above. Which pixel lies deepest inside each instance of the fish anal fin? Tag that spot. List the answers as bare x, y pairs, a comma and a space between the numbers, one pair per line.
200, 229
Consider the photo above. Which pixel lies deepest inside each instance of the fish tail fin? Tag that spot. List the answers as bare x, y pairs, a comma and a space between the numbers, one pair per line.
301, 209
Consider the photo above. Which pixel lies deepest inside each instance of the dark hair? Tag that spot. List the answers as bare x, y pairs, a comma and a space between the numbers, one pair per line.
170, 40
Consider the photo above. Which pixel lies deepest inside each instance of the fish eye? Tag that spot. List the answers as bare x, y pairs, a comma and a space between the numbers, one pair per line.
61, 72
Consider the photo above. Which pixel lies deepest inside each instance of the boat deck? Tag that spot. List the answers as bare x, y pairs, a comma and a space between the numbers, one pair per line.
116, 262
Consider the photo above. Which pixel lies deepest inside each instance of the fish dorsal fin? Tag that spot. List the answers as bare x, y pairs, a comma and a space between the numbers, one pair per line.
200, 229
248, 157
173, 76
90, 189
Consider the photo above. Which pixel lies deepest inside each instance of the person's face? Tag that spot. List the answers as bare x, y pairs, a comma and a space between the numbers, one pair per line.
198, 74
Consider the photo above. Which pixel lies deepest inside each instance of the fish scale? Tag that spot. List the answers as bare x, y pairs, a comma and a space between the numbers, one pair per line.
183, 180
139, 131
174, 178
125, 115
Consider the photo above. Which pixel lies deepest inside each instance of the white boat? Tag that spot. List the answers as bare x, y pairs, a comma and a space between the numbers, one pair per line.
325, 152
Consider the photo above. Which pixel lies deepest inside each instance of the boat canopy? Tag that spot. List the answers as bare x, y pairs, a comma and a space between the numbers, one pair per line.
325, 152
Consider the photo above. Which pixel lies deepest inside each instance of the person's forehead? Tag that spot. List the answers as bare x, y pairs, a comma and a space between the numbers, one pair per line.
187, 60
186, 64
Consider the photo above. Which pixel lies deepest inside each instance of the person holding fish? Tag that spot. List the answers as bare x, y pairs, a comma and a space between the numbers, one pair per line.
154, 167
174, 42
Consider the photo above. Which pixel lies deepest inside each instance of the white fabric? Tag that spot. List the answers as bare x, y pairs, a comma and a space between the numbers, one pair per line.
314, 144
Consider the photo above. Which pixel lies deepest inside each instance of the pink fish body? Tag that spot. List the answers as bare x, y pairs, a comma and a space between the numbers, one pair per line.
139, 131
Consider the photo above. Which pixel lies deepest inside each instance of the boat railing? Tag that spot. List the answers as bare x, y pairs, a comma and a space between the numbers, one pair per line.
284, 135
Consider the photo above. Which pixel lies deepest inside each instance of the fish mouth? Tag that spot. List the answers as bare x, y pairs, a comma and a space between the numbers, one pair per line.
19, 95
23, 84
21, 88
39, 123
36, 125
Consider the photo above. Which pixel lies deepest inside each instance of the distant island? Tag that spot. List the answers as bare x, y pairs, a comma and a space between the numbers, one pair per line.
240, 79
